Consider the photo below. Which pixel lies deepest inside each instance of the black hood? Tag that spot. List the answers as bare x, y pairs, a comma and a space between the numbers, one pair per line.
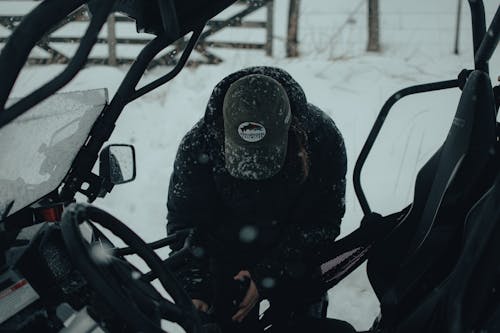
296, 96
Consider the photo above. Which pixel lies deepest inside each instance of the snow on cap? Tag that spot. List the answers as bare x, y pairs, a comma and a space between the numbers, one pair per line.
257, 117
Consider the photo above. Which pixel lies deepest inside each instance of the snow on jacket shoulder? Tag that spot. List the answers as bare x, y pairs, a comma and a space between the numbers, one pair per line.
288, 219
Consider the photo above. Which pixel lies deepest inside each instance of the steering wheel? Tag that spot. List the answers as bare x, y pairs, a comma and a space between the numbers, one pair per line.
114, 280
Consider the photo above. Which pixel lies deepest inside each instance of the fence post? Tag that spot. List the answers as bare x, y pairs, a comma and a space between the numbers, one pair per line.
111, 40
269, 28
292, 44
373, 26
457, 28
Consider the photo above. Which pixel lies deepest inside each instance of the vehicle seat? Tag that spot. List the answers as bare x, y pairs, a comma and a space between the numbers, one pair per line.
423, 249
467, 300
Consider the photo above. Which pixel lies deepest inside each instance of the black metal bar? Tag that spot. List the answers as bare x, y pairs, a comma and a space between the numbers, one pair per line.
170, 75
378, 125
179, 258
137, 70
489, 43
17, 49
478, 28
179, 236
154, 245
88, 156
56, 56
174, 262
76, 63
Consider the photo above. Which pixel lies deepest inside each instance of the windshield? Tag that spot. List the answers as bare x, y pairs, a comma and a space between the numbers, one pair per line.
38, 148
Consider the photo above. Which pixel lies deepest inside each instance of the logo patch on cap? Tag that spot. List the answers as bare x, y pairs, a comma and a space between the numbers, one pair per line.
251, 132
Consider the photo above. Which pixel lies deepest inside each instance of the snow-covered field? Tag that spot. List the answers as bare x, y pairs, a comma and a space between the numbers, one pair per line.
339, 77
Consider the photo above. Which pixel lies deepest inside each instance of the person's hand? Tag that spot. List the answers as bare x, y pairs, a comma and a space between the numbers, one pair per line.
200, 305
251, 298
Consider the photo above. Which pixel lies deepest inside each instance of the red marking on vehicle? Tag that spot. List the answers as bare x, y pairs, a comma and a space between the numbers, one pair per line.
13, 288
49, 214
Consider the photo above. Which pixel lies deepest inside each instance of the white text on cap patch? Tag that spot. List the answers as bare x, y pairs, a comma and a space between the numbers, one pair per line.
251, 132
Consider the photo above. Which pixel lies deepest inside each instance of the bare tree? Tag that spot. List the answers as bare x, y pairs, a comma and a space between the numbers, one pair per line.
292, 45
373, 27
269, 28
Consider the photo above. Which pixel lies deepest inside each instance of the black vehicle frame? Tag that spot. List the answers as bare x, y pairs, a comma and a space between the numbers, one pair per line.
172, 19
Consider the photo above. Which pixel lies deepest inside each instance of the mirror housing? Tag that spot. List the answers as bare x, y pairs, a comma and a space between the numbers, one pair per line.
117, 165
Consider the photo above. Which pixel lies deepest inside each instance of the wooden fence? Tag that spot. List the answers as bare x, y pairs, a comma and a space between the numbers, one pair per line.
54, 47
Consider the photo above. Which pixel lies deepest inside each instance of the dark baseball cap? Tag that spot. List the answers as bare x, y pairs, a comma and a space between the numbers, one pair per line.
257, 117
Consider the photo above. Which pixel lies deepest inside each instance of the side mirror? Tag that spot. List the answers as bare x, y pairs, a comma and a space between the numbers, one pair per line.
117, 164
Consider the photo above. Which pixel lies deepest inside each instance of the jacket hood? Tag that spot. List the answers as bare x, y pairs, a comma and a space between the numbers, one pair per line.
296, 96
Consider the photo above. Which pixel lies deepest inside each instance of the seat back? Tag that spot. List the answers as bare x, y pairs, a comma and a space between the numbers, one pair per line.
424, 247
467, 299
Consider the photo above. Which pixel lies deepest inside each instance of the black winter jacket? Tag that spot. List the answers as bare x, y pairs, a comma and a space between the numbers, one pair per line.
273, 228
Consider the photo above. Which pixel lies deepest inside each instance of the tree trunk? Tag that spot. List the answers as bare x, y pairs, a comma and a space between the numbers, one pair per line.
292, 45
373, 27
270, 28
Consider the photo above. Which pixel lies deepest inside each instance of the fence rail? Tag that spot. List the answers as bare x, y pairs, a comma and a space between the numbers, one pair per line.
55, 45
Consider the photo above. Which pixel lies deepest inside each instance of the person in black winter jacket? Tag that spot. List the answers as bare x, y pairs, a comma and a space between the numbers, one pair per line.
261, 181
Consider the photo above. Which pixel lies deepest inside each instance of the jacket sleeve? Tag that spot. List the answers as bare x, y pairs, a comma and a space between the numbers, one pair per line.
189, 206
295, 259
328, 207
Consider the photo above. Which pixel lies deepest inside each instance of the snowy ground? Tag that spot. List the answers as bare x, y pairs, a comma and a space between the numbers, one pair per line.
336, 74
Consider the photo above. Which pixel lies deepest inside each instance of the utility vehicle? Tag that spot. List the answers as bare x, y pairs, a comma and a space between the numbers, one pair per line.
434, 265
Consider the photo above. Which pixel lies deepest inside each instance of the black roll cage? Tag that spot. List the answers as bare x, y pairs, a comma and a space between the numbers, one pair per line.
45, 17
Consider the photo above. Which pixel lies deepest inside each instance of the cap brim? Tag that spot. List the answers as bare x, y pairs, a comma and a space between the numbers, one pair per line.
254, 163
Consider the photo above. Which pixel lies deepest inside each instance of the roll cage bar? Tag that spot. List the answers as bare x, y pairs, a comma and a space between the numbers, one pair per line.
169, 20
484, 42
